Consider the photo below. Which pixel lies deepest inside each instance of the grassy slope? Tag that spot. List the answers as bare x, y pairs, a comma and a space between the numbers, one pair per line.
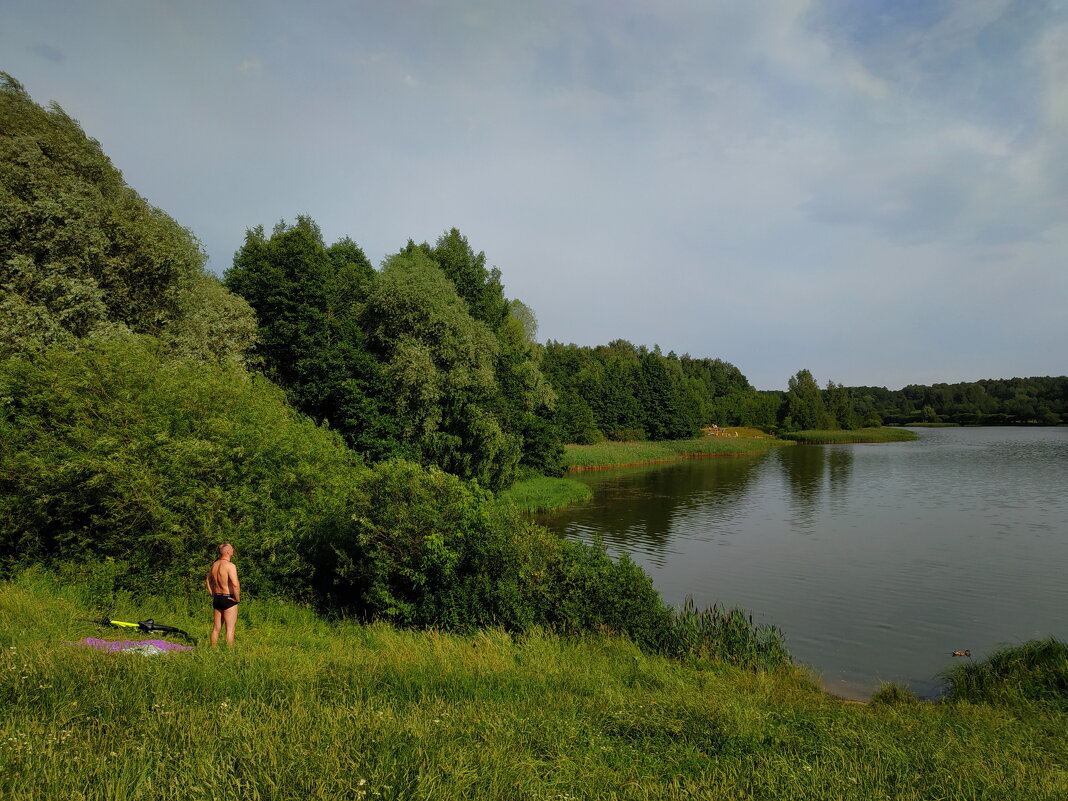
302, 709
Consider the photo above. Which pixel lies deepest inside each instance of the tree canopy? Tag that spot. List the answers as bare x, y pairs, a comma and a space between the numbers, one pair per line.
81, 253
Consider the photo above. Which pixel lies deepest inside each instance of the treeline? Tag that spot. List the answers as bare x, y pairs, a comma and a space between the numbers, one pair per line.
1013, 401
623, 391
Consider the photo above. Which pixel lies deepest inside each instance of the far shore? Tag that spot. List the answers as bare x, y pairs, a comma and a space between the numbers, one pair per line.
724, 442
544, 494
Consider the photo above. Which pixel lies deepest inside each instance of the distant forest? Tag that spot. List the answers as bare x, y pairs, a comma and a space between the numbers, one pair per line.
624, 391
991, 402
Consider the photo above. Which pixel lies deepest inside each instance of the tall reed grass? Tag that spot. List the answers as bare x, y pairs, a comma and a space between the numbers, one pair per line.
620, 454
885, 434
542, 493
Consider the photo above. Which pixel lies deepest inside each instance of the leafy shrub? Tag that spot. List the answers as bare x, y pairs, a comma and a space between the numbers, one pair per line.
590, 590
112, 450
421, 547
82, 253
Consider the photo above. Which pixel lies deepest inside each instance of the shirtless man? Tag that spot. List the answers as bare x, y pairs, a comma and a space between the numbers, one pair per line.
225, 592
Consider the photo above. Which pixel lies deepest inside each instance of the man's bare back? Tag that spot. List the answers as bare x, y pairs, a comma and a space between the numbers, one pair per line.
225, 591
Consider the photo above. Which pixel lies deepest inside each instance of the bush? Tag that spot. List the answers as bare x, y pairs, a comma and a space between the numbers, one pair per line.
420, 548
112, 450
590, 591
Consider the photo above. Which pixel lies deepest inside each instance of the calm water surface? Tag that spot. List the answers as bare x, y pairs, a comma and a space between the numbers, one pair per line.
876, 560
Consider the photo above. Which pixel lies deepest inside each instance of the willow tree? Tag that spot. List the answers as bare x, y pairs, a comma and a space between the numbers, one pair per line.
440, 362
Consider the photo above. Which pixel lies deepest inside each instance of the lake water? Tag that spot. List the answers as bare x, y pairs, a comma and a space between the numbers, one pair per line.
875, 560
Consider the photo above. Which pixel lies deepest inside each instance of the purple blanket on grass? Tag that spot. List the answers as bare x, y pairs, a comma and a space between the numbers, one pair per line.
125, 645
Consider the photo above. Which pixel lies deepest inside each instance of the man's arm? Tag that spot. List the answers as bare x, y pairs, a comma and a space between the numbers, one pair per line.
207, 583
235, 585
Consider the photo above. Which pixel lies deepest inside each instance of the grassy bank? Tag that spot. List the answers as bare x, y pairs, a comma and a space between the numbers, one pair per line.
305, 709
883, 434
542, 493
622, 454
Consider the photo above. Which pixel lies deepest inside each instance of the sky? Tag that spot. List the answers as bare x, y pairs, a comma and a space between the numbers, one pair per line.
873, 190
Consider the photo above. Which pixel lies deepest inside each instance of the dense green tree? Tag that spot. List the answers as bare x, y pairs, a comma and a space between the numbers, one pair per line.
480, 288
663, 413
839, 407
440, 364
81, 253
309, 298
1017, 401
803, 407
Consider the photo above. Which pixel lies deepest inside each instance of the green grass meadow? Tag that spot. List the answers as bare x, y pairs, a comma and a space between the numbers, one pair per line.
306, 709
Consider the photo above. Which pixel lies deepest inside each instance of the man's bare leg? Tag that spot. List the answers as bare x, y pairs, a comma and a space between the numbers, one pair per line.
230, 618
216, 626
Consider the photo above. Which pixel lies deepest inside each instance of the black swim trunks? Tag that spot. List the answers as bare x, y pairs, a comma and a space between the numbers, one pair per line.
222, 601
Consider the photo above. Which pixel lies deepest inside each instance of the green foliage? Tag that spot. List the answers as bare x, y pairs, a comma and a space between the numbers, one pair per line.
422, 548
803, 407
81, 253
114, 451
308, 298
664, 413
425, 360
624, 392
839, 409
592, 591
576, 421
440, 365
1034, 672
1014, 401
620, 454
481, 289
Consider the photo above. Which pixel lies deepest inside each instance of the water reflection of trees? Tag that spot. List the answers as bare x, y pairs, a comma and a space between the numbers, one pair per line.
634, 509
811, 468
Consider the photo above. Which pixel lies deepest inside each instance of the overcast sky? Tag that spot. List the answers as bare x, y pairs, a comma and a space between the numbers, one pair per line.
875, 191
